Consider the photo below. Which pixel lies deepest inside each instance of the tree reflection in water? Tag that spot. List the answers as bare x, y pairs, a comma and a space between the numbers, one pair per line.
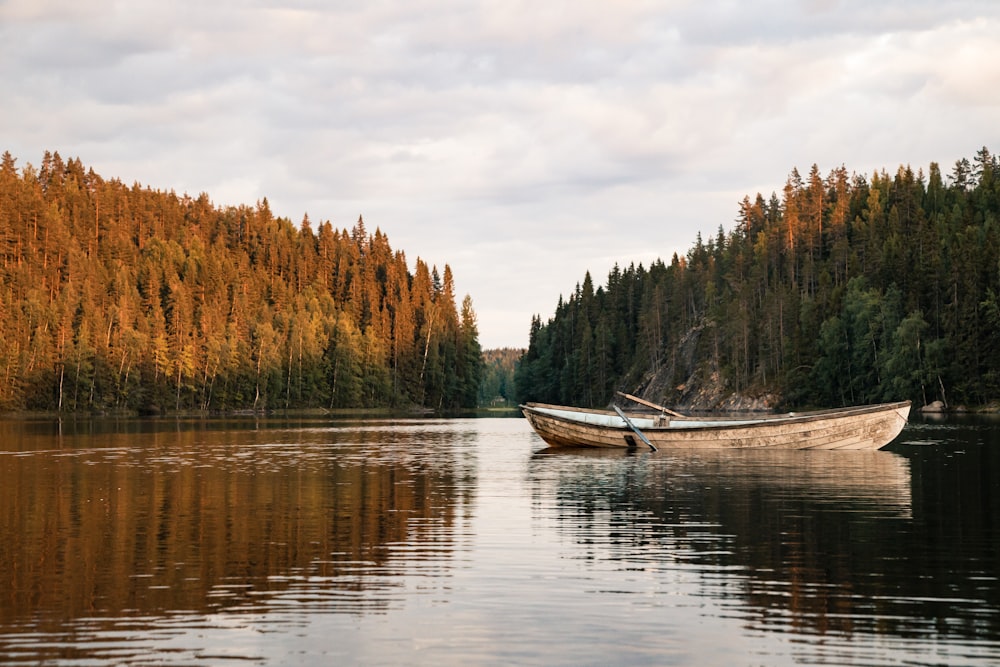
795, 541
198, 517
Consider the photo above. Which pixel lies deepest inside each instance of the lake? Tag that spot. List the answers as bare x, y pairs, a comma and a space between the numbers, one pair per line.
466, 541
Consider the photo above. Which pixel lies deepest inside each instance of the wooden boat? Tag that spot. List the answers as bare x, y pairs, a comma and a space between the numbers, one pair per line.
864, 427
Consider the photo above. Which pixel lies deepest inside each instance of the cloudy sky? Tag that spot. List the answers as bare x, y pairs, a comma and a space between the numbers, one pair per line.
522, 142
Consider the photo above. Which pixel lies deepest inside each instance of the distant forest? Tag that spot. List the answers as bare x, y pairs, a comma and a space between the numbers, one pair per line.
840, 290
497, 386
116, 297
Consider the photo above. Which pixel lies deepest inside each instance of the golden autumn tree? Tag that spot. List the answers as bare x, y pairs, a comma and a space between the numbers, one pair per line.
116, 297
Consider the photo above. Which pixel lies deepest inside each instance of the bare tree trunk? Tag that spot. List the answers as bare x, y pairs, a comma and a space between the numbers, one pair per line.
288, 379
427, 344
257, 388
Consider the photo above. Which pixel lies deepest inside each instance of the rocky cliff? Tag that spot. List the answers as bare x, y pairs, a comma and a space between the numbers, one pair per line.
689, 380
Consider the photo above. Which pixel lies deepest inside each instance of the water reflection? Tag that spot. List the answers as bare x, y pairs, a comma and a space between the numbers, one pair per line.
458, 541
796, 542
194, 517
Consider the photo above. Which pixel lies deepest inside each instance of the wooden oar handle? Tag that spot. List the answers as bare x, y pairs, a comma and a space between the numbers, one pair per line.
649, 405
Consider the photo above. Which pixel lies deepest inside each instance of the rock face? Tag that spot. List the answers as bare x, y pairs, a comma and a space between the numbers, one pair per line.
689, 380
934, 407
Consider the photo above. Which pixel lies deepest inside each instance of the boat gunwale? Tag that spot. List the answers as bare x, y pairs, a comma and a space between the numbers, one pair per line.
723, 421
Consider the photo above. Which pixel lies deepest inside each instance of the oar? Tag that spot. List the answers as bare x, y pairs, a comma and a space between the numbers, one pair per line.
633, 427
650, 405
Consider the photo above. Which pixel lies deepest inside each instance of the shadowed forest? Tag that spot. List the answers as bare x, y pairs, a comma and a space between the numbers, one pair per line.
841, 290
116, 297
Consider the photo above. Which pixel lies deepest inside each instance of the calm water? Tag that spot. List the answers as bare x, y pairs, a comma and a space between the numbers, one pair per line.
464, 541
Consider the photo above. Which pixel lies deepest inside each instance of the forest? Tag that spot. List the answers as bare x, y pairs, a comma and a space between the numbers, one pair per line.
840, 290
496, 389
124, 298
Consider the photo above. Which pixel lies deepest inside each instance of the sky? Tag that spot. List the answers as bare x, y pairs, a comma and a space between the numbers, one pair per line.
523, 143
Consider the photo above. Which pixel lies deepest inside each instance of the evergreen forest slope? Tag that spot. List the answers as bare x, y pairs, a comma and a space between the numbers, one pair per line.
125, 298
842, 290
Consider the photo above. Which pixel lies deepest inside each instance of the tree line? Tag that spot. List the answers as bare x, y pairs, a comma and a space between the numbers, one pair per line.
116, 297
841, 290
